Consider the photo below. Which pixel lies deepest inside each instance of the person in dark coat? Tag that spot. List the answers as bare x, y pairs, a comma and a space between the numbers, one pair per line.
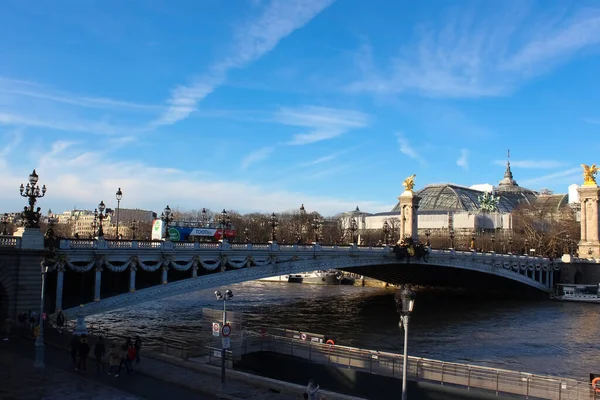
74, 349
137, 345
99, 352
84, 351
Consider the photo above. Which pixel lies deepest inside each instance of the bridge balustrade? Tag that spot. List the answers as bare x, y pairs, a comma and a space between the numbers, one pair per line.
10, 241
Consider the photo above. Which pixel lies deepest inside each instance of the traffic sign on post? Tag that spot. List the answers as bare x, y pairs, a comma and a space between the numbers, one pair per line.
216, 329
226, 342
226, 330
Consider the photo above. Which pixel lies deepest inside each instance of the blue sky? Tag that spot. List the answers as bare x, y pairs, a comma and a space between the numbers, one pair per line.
264, 105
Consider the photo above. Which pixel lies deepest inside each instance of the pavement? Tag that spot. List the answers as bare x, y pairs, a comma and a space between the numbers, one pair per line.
157, 376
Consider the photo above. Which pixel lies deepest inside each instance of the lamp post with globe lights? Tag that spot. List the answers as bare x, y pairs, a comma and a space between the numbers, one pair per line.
246, 232
316, 226
405, 302
386, 232
119, 196
225, 221
274, 223
166, 217
353, 229
4, 222
228, 295
100, 215
452, 239
30, 215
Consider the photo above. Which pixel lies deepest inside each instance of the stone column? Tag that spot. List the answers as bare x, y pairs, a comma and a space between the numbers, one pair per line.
60, 277
132, 269
97, 283
409, 203
589, 245
165, 269
195, 271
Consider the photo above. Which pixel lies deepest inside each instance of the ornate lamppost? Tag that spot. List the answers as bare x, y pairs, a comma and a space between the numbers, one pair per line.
316, 226
204, 219
386, 232
510, 243
427, 234
100, 215
4, 222
228, 295
166, 217
94, 226
302, 222
119, 196
246, 237
133, 227
452, 239
224, 220
405, 302
353, 229
526, 246
274, 224
493, 239
32, 192
473, 239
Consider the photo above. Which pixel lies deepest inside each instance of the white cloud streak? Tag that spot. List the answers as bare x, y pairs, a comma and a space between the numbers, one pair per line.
323, 123
279, 19
532, 164
406, 148
564, 177
463, 160
257, 156
488, 57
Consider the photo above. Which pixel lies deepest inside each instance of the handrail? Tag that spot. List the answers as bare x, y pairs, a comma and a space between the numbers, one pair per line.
422, 369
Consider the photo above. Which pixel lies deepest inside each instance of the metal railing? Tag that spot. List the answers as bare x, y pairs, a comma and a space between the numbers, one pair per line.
498, 381
10, 241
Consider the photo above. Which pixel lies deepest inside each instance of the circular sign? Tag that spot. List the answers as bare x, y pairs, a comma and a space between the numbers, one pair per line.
216, 327
303, 336
226, 330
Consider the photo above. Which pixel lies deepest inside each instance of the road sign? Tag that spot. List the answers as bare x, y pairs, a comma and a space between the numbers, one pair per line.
216, 329
226, 342
226, 330
303, 336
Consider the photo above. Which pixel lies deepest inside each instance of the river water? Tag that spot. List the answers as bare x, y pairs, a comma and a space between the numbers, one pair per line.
538, 336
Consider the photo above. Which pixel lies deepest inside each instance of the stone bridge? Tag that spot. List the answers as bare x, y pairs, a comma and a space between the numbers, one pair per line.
95, 276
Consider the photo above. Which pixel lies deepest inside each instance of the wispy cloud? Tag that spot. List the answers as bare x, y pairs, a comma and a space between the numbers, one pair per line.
470, 56
61, 124
463, 160
323, 123
257, 156
593, 121
569, 176
406, 148
532, 164
279, 19
320, 160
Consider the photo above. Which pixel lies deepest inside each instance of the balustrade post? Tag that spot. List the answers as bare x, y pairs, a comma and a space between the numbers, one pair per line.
60, 276
195, 271
132, 270
97, 283
164, 271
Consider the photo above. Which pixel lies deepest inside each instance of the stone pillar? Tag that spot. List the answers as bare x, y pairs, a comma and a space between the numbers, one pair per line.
132, 269
97, 283
80, 326
60, 276
165, 269
409, 203
31, 238
195, 271
589, 245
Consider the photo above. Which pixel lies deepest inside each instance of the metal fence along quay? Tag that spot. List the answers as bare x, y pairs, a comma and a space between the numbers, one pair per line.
498, 381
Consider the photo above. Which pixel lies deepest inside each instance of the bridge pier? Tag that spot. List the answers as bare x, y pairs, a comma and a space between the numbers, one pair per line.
60, 278
132, 270
409, 227
164, 272
589, 245
97, 283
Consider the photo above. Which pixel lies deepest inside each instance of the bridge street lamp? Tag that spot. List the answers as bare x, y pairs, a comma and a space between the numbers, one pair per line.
510, 243
316, 226
526, 246
302, 222
119, 196
405, 302
32, 192
386, 232
4, 223
228, 295
100, 215
94, 226
133, 227
427, 234
473, 240
274, 224
225, 221
493, 240
353, 229
204, 219
452, 239
167, 218
39, 341
246, 232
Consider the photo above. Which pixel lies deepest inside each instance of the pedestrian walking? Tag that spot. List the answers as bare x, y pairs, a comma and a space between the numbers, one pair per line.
99, 351
312, 390
124, 360
60, 321
84, 351
131, 355
74, 349
138, 346
114, 359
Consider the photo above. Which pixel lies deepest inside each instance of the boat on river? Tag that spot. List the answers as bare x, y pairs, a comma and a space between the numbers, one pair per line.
580, 293
321, 277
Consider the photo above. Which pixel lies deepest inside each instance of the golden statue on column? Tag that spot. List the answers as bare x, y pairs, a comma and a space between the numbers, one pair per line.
409, 183
589, 174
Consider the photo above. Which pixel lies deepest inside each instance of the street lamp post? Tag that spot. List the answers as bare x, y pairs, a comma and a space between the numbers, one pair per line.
134, 227
473, 240
39, 341
427, 234
119, 196
493, 239
353, 229
166, 217
225, 220
4, 222
302, 221
226, 296
452, 239
100, 215
526, 246
405, 302
32, 192
510, 243
204, 220
386, 232
316, 225
246, 232
273, 223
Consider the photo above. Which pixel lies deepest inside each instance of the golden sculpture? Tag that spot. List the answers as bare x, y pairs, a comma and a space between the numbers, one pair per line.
409, 183
589, 175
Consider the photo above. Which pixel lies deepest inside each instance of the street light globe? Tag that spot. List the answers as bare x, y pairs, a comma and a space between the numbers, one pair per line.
218, 295
101, 207
119, 194
33, 178
228, 293
407, 297
167, 211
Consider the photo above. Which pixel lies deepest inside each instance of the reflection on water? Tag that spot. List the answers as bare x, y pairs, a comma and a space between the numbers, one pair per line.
543, 337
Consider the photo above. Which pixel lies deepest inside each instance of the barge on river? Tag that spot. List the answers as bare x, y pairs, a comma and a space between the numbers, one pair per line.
329, 277
580, 293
